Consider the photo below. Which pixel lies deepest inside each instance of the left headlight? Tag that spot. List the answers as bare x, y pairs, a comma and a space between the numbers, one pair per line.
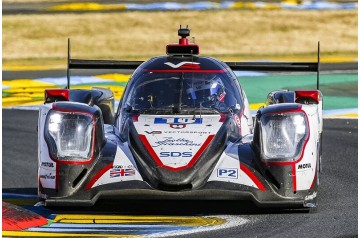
283, 135
71, 135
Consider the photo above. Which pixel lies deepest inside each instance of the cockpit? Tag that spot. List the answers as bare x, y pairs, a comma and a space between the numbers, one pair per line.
182, 93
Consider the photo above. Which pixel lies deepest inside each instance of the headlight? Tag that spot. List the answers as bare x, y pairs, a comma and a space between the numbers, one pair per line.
283, 135
71, 135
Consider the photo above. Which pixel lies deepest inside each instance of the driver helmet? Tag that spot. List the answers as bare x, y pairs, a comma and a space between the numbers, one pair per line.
208, 88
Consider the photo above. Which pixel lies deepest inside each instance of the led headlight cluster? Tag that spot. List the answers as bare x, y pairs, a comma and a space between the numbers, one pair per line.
71, 135
283, 135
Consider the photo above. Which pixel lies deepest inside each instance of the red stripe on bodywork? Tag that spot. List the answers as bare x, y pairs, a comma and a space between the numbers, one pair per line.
160, 163
293, 168
185, 70
253, 177
151, 150
200, 151
98, 175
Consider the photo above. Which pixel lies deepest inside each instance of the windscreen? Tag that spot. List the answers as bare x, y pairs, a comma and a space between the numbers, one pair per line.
183, 93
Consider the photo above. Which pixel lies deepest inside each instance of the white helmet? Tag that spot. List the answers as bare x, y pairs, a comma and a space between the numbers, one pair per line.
207, 89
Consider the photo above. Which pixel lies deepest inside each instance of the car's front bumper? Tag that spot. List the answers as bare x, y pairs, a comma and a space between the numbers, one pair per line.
140, 190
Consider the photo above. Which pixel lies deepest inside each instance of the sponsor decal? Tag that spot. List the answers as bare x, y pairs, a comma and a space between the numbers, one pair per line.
117, 172
47, 176
184, 65
227, 173
177, 120
221, 97
130, 166
304, 166
171, 141
153, 132
177, 126
47, 164
176, 154
237, 121
187, 132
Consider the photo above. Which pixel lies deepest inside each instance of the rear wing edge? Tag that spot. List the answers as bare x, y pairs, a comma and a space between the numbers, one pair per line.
239, 66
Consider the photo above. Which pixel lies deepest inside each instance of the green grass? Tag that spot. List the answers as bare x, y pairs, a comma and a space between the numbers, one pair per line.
339, 90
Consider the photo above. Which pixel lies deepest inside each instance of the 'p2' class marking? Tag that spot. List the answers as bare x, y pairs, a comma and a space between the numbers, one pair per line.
227, 173
176, 154
177, 120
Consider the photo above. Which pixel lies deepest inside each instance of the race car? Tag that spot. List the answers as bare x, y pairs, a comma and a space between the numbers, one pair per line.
183, 129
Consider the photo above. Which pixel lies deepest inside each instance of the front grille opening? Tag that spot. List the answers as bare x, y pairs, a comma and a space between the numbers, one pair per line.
78, 178
174, 188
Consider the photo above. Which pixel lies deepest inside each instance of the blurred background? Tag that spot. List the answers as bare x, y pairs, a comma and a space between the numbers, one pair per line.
35, 34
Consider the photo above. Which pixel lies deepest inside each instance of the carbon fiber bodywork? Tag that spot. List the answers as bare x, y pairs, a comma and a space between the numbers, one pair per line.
211, 191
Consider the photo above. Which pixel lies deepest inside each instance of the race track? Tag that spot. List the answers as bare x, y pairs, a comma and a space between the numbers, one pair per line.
336, 215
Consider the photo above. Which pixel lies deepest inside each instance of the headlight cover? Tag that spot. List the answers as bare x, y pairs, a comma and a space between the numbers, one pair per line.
72, 135
283, 135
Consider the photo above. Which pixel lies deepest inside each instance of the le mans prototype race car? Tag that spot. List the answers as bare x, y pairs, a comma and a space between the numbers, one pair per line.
183, 130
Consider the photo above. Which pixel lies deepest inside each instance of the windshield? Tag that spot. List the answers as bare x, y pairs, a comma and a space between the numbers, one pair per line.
183, 93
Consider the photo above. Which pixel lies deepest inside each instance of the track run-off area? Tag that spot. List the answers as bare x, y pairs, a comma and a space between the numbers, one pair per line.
336, 215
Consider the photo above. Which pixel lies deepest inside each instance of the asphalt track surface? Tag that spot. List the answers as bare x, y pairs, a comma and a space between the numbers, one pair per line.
336, 215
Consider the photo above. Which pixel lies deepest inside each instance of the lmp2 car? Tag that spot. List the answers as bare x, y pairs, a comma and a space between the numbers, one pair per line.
183, 130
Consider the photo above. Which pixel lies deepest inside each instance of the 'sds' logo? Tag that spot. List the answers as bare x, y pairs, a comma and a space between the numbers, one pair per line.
177, 126
175, 154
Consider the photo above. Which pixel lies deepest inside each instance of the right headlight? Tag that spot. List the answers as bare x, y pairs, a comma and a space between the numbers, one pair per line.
283, 135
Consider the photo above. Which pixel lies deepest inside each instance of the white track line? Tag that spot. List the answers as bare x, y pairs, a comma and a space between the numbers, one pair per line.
231, 221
